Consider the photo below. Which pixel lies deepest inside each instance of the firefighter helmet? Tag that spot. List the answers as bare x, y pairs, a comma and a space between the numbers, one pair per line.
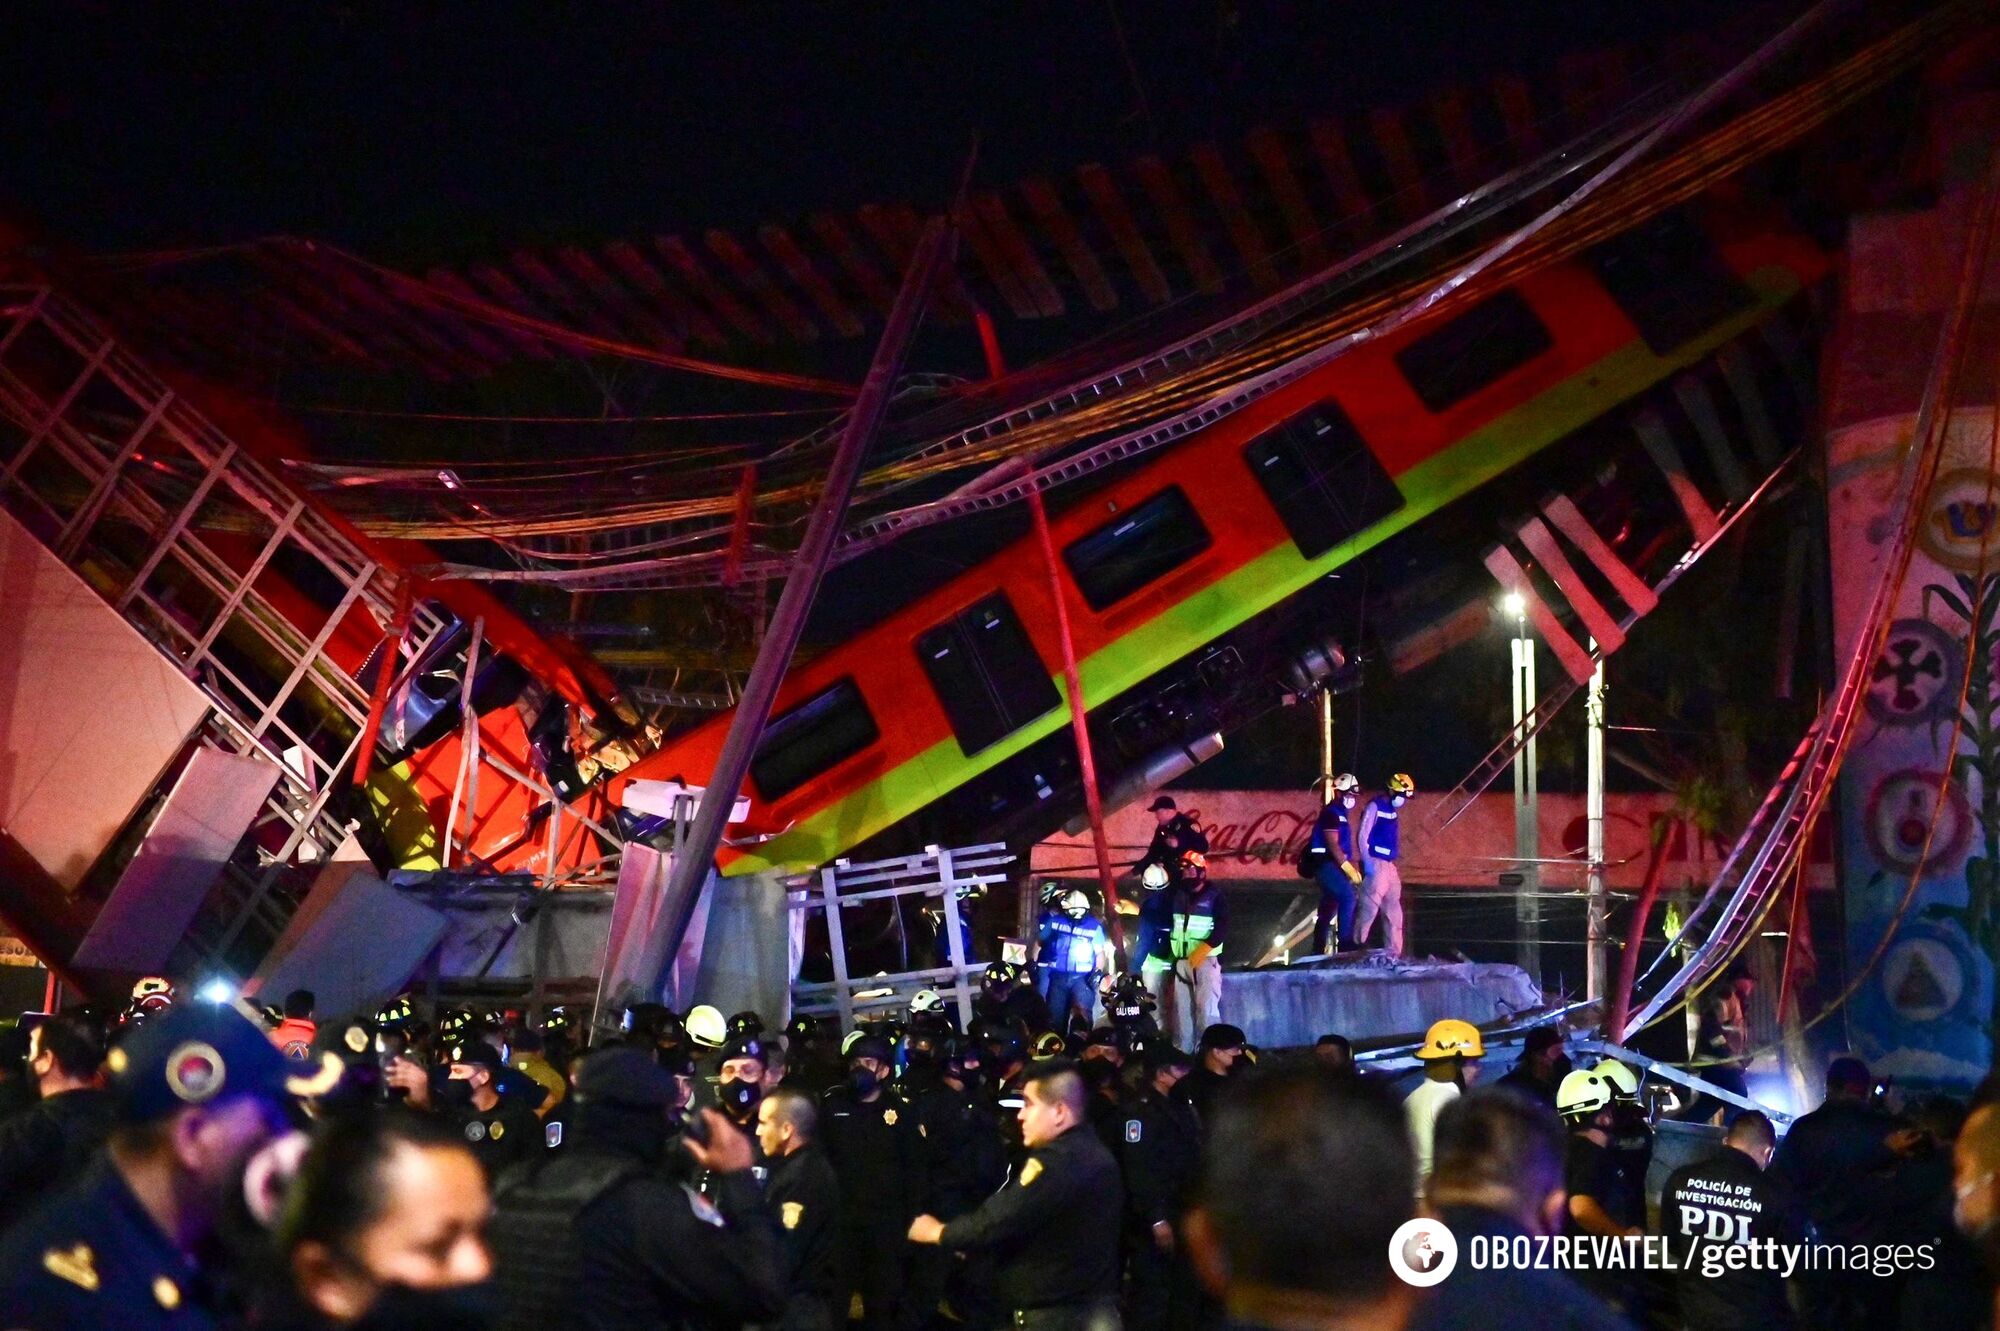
1075, 904
1583, 1094
1624, 1082
1346, 784
1401, 784
396, 1014
1153, 877
1051, 892
746, 1024
1050, 1045
706, 1027
926, 1001
1452, 1038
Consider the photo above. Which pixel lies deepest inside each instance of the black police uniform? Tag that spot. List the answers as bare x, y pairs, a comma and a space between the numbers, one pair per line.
1503, 1297
92, 1257
602, 1235
804, 1195
1057, 1258
873, 1145
962, 1160
1835, 1165
1160, 1156
500, 1137
49, 1146
1199, 1090
1171, 839
1708, 1207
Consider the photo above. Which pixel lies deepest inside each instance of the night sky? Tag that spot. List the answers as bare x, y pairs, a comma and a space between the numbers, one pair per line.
424, 132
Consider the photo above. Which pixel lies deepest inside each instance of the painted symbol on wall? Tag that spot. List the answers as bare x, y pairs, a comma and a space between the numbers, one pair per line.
1916, 678
1900, 814
1923, 979
1961, 527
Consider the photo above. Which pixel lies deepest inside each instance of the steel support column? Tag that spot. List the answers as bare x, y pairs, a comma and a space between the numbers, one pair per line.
753, 710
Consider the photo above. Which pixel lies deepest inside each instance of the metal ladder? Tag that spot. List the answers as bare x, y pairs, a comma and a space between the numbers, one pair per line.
128, 484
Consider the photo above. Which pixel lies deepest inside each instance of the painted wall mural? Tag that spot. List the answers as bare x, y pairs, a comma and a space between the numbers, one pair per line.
1920, 792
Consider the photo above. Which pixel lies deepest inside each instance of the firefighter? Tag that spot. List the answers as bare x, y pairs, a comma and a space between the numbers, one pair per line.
1381, 881
1332, 843
1071, 952
1449, 1047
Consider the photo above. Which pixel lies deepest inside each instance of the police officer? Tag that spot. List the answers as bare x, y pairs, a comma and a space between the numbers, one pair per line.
1174, 832
1072, 951
871, 1137
1160, 1158
601, 1235
53, 1141
804, 1195
1216, 1060
197, 1090
1057, 1258
739, 1083
501, 1130
1727, 1201
1339, 871
1381, 880
962, 1160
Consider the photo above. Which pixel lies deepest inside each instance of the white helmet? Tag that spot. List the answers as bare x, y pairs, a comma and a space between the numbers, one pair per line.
926, 1000
1346, 783
1582, 1094
1153, 877
1075, 904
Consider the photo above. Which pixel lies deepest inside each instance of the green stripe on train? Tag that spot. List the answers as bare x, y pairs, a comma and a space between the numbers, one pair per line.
1261, 584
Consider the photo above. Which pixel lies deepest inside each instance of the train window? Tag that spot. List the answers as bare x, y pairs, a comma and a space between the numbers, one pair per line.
986, 673
1669, 279
1465, 354
827, 728
1134, 548
1322, 477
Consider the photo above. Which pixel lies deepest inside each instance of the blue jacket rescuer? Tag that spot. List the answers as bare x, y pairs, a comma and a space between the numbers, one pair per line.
1071, 955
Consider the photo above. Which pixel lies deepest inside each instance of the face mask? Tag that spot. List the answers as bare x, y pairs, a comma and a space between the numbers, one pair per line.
452, 1308
738, 1097
1397, 801
454, 1094
1561, 1068
1347, 801
862, 1081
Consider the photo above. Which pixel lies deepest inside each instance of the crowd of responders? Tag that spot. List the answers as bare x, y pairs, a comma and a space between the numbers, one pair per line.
194, 1161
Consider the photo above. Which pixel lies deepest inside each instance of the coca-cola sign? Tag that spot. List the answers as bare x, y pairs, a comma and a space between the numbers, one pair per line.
1258, 834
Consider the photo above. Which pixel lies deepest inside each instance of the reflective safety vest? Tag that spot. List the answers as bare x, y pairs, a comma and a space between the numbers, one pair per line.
1383, 823
1071, 946
1195, 922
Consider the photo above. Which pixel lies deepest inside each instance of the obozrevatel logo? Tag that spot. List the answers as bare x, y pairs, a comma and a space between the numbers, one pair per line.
1422, 1252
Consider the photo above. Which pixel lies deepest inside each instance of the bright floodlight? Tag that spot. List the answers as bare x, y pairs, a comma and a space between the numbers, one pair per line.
216, 991
1514, 605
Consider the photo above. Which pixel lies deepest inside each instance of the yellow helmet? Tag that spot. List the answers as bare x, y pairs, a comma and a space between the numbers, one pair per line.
1624, 1082
1452, 1038
1401, 784
1583, 1093
706, 1026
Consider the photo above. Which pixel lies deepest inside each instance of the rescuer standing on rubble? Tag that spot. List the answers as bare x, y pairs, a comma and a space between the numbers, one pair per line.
1332, 845
1382, 881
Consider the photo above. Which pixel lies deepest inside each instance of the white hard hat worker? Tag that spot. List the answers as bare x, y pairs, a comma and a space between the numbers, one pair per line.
1075, 904
706, 1026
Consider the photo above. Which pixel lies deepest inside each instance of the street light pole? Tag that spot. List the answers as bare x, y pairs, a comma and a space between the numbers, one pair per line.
1593, 812
1527, 837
